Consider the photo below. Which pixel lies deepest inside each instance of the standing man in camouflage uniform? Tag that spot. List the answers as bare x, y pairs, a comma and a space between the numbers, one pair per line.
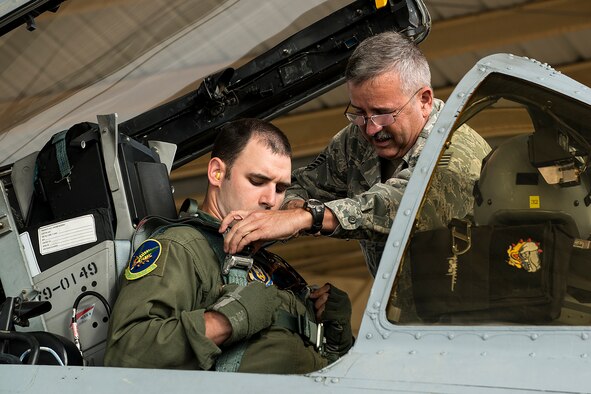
178, 309
360, 177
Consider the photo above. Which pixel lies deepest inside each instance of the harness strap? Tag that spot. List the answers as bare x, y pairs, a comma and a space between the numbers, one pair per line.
312, 332
230, 359
59, 142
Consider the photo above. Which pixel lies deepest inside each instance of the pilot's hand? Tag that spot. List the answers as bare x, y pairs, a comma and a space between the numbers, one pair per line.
249, 308
320, 295
261, 225
337, 324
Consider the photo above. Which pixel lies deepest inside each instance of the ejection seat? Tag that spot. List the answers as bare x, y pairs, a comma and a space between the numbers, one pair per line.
75, 215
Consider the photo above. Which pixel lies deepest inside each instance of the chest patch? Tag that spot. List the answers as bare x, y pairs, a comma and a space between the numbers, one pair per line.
143, 260
257, 273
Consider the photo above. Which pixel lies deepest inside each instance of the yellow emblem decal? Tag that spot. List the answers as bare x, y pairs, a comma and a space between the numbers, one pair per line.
257, 273
143, 260
525, 255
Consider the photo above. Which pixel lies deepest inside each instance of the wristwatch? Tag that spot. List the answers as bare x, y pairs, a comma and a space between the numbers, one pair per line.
316, 209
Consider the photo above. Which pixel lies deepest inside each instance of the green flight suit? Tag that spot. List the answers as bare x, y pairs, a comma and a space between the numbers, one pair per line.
158, 319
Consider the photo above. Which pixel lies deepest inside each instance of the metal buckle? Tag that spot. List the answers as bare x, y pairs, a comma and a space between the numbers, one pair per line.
319, 345
314, 332
237, 261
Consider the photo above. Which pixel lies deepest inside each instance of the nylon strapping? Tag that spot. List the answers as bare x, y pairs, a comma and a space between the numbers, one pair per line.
59, 141
230, 359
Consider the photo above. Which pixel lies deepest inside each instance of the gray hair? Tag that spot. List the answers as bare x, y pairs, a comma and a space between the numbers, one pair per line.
386, 52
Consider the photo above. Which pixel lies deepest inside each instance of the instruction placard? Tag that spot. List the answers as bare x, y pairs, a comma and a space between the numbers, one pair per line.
67, 234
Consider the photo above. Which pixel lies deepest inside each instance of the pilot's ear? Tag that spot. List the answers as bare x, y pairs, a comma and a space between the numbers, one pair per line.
426, 100
216, 171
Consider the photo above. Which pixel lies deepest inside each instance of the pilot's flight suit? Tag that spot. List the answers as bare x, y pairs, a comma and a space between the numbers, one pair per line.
158, 319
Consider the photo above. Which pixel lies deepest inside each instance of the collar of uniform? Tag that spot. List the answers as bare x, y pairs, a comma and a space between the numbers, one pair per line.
420, 142
208, 220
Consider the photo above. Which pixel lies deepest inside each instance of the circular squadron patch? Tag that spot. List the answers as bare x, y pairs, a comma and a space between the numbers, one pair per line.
143, 260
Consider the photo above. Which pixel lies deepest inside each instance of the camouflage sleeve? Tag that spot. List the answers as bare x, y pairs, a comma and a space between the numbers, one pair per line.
158, 319
369, 215
366, 214
450, 194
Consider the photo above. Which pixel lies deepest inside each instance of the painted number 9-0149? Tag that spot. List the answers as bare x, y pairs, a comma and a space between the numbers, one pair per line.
70, 280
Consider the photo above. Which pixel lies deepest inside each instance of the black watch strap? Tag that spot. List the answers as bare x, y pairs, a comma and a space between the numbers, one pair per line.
316, 209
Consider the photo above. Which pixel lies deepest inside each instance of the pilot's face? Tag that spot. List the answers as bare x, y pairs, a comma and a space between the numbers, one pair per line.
258, 180
383, 95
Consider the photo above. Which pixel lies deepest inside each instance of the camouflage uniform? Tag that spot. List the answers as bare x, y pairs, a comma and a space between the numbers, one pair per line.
158, 319
347, 177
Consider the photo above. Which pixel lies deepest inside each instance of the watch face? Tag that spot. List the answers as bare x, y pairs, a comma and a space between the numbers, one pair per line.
314, 204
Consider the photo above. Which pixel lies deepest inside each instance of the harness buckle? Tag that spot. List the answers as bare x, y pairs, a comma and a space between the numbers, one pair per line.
236, 261
319, 345
314, 332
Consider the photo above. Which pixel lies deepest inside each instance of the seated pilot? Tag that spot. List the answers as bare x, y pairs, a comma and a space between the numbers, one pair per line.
183, 305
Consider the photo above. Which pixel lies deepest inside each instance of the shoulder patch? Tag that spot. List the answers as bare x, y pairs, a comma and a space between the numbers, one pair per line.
143, 260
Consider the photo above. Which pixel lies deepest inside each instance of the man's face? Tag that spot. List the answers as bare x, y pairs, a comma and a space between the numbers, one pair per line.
382, 95
258, 180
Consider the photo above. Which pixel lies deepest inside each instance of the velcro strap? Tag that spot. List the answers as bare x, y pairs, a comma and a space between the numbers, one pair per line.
59, 141
311, 332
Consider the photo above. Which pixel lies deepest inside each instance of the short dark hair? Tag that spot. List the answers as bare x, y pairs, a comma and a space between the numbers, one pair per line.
234, 136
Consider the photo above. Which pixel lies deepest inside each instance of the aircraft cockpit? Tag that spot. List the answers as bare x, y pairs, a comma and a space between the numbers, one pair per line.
496, 277
521, 253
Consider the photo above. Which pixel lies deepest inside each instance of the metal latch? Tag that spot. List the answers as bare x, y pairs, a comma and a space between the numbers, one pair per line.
314, 332
456, 238
236, 261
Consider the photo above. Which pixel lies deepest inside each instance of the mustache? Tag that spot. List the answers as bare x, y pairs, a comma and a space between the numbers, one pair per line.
381, 135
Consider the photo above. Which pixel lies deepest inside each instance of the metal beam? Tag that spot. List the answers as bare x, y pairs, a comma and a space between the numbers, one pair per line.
490, 30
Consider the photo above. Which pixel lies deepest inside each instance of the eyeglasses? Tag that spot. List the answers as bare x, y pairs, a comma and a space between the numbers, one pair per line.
380, 120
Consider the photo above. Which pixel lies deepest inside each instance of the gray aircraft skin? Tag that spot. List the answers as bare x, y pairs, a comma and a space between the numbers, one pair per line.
475, 355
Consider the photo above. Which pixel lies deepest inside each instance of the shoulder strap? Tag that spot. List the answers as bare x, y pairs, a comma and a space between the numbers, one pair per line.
215, 240
230, 359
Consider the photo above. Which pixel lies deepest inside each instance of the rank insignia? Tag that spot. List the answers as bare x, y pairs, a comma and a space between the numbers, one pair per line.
525, 255
143, 260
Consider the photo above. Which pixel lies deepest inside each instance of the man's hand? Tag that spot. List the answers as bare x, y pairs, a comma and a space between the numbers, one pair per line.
320, 296
249, 308
262, 225
337, 323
